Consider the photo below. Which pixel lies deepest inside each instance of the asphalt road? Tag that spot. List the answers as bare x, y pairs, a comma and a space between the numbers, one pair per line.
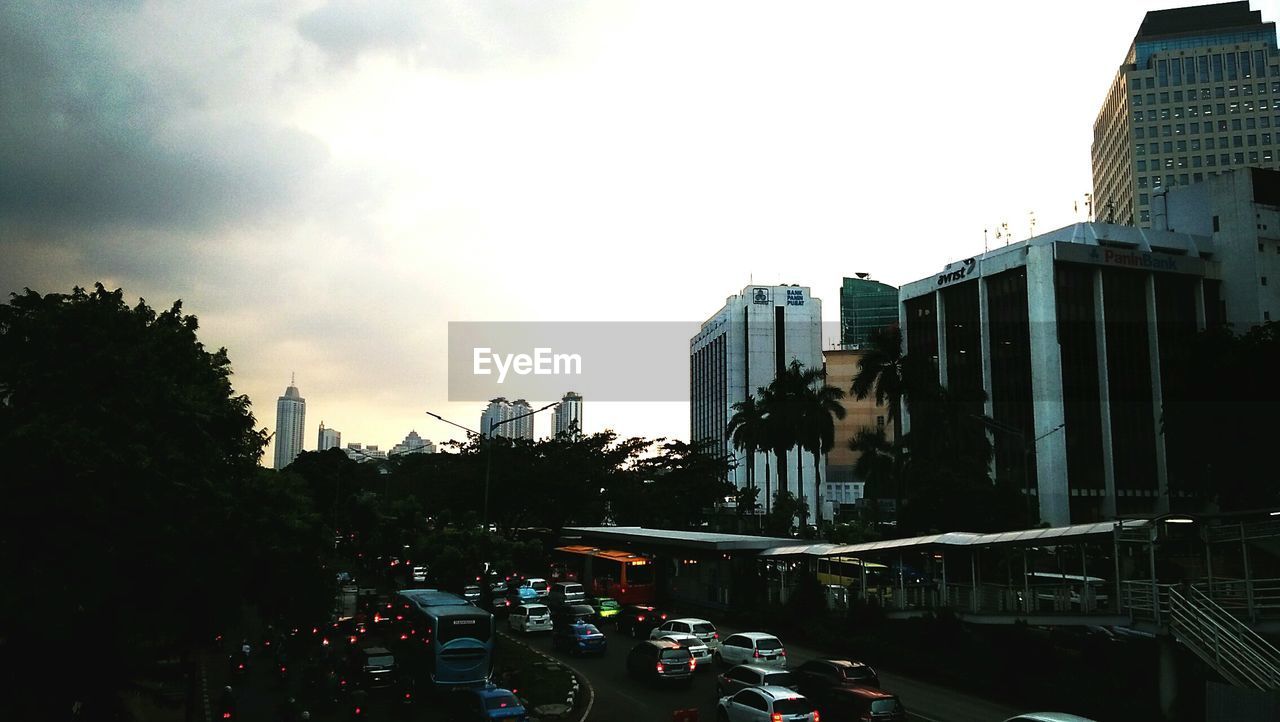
619, 698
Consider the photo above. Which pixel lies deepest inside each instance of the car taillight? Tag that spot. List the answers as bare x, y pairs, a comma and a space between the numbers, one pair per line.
283, 669
351, 639
693, 664
715, 635
664, 616
403, 636
242, 665
325, 642
640, 618
782, 652
226, 715
660, 667
775, 717
756, 654
360, 712
816, 717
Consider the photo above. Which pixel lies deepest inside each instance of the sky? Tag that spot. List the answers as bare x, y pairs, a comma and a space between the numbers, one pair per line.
327, 184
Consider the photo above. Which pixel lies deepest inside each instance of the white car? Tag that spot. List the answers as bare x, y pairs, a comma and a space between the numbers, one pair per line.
701, 653
537, 584
530, 618
700, 628
419, 574
766, 704
758, 648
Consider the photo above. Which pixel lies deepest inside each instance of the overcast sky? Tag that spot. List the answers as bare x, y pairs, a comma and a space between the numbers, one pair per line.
327, 184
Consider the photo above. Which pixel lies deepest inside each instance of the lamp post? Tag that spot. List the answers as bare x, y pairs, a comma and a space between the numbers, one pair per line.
487, 439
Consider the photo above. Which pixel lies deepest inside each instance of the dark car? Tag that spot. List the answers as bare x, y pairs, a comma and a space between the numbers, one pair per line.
750, 675
471, 593
819, 674
606, 608
837, 704
482, 703
579, 638
637, 620
659, 660
372, 668
571, 614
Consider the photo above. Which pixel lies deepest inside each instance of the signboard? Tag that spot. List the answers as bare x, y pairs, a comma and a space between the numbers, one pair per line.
760, 296
795, 297
958, 271
1128, 258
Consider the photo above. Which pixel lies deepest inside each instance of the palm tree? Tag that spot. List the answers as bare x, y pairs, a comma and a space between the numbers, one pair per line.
877, 460
745, 431
821, 406
776, 432
880, 372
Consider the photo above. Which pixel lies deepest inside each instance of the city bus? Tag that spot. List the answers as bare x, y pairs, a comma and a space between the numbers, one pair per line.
443, 638
624, 576
844, 571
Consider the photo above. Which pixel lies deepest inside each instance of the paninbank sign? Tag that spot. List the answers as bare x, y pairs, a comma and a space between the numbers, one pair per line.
1126, 258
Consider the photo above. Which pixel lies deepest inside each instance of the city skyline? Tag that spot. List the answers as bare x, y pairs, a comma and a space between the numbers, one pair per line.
356, 161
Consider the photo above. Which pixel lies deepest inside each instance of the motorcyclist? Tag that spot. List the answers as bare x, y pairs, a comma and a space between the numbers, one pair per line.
227, 702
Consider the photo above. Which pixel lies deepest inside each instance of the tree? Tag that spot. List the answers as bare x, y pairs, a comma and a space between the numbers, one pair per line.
746, 432
821, 406
126, 455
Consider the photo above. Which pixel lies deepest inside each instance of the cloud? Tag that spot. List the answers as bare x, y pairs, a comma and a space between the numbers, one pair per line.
457, 36
93, 134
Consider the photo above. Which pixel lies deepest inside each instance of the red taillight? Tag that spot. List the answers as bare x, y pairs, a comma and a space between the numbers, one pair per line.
783, 652
360, 712
342, 683
693, 664
775, 717
226, 715
399, 618
715, 635
408, 695
640, 618
403, 637
377, 617
664, 616
660, 667
315, 630
283, 669
242, 665
756, 654
816, 718
351, 639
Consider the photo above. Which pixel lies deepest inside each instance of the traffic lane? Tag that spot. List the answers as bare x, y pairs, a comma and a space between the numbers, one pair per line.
924, 701
620, 698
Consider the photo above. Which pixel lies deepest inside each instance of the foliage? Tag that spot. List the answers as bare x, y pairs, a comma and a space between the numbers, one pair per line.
136, 505
1219, 417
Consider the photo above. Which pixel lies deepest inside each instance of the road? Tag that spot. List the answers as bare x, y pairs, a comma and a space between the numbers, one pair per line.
622, 699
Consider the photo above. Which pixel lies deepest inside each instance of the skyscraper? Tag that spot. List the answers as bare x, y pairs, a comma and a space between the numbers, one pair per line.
743, 347
522, 426
413, 444
1198, 93
568, 414
291, 419
865, 305
328, 439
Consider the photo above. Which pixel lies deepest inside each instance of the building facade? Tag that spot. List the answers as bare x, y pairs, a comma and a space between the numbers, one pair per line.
364, 452
522, 425
501, 416
291, 419
740, 349
413, 444
567, 417
328, 439
1198, 93
845, 488
865, 305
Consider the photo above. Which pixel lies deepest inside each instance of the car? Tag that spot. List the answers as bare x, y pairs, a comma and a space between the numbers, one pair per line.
661, 660
483, 703
606, 607
752, 648
529, 618
776, 704
637, 619
579, 638
540, 586
859, 703
419, 574
471, 593
571, 614
822, 673
700, 628
372, 667
566, 593
345, 578
754, 675
700, 652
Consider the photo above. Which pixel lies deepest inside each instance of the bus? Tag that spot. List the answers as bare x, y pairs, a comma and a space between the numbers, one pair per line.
444, 638
624, 576
844, 571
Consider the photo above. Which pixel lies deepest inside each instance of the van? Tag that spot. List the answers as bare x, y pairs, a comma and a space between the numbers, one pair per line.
563, 593
538, 585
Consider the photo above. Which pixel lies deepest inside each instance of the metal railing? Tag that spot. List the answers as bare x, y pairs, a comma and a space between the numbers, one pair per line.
1144, 600
1224, 642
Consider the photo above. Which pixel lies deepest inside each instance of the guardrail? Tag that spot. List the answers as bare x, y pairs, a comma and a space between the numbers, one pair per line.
1224, 642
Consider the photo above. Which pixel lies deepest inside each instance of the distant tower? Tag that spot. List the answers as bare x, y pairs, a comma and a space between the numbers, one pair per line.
291, 418
496, 412
568, 415
521, 428
328, 439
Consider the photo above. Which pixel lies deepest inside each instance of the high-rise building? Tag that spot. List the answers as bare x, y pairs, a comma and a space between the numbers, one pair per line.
568, 415
843, 487
328, 439
498, 411
291, 418
413, 444
740, 349
522, 425
1075, 336
1198, 93
865, 305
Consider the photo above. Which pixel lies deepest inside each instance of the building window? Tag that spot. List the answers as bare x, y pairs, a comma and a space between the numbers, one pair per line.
1266, 315
1264, 280
1253, 156
1139, 132
1261, 246
1142, 165
880, 422
1252, 140
1215, 224
1142, 181
1144, 216
1235, 124
1142, 201
1238, 158
1198, 176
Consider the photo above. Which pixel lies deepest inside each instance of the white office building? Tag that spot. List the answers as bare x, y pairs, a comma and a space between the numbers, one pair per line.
568, 415
740, 349
413, 444
291, 419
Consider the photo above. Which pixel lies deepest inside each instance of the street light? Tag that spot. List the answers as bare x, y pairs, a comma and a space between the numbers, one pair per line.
488, 442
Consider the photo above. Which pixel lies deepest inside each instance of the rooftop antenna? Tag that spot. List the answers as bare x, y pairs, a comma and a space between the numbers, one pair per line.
985, 246
1003, 232
293, 375
1033, 224
1088, 206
